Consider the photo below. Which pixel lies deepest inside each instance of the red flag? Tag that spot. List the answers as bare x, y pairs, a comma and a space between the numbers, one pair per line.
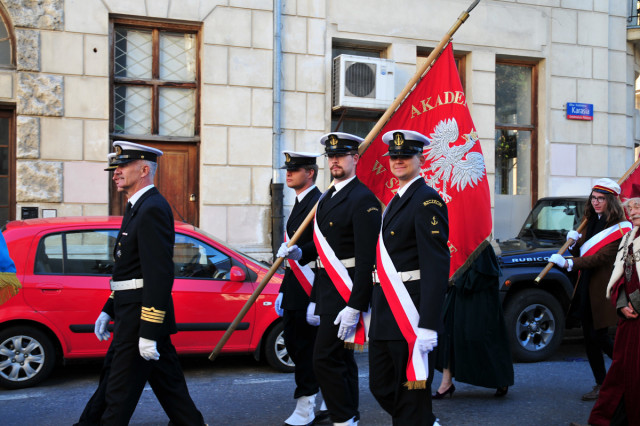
630, 186
455, 167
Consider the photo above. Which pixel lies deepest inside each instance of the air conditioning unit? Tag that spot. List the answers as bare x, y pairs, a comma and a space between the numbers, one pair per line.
362, 82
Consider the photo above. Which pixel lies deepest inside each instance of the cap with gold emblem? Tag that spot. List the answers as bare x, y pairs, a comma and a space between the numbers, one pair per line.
340, 143
110, 157
126, 152
404, 143
295, 160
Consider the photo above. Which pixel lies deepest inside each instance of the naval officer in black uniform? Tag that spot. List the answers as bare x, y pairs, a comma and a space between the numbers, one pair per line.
415, 232
140, 303
293, 299
348, 216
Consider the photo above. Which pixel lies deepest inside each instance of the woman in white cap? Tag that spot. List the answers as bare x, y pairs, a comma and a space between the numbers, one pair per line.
594, 254
617, 404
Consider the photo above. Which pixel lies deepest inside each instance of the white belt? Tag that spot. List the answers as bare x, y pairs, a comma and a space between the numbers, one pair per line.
287, 265
404, 276
348, 263
131, 284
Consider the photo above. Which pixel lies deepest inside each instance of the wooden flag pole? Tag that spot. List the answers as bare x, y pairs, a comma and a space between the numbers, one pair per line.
361, 149
570, 241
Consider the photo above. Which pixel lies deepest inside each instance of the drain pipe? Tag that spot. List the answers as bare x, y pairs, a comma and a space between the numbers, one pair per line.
277, 198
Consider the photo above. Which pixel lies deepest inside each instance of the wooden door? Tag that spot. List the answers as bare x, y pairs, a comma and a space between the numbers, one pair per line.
177, 179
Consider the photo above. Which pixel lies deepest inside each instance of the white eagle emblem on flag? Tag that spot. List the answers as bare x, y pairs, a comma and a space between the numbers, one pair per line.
450, 165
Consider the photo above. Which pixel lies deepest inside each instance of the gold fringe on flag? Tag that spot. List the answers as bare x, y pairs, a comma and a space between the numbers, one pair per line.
9, 286
355, 347
418, 384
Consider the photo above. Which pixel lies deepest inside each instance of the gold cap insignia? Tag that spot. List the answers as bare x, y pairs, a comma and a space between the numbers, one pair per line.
287, 158
333, 140
118, 150
398, 139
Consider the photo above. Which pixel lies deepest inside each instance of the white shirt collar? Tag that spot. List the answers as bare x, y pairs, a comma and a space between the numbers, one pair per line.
304, 193
342, 184
135, 197
402, 190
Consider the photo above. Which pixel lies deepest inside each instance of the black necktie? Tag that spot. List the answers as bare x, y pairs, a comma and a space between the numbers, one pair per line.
127, 210
329, 193
391, 206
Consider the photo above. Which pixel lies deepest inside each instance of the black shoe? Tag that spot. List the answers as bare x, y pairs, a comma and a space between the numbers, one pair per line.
500, 392
449, 392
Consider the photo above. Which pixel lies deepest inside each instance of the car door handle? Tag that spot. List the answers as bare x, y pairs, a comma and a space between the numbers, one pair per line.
49, 288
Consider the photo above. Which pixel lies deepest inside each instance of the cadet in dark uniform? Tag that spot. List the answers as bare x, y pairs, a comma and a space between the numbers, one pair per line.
348, 217
415, 232
140, 303
293, 300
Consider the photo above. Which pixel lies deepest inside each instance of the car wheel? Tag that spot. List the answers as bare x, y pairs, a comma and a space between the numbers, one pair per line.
276, 352
27, 357
535, 325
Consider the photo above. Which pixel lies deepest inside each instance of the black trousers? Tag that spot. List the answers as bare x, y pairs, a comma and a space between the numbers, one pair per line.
337, 372
596, 342
299, 338
125, 374
387, 375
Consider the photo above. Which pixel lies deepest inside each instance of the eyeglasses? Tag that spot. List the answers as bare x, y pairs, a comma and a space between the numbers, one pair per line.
598, 199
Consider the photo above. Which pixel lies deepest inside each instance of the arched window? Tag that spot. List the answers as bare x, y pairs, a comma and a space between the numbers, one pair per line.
6, 40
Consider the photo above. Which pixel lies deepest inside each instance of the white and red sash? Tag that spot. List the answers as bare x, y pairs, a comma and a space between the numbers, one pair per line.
304, 274
405, 314
604, 237
342, 281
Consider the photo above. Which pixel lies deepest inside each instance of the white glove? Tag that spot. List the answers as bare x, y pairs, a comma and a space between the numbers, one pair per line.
575, 236
293, 252
148, 349
558, 260
100, 328
283, 250
312, 318
347, 318
426, 340
279, 310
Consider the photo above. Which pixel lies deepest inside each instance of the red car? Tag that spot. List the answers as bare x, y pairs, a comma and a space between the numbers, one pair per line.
64, 265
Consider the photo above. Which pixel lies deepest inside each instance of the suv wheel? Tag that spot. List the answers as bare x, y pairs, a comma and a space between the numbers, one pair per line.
27, 357
535, 325
276, 352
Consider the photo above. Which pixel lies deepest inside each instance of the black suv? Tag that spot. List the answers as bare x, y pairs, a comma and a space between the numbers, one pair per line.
535, 313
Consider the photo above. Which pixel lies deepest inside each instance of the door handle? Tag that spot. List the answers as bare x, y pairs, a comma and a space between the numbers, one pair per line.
192, 197
49, 287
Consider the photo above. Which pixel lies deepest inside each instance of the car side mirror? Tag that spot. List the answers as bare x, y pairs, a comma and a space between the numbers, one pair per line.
237, 274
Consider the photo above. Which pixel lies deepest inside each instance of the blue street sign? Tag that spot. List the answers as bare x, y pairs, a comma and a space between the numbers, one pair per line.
577, 111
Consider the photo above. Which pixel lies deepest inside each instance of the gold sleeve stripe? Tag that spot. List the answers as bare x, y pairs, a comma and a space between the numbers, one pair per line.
157, 316
152, 315
152, 310
157, 321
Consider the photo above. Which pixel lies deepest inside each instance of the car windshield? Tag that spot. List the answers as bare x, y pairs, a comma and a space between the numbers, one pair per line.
553, 219
263, 264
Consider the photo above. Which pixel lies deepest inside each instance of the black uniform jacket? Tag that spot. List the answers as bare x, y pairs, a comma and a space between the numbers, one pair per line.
293, 295
350, 221
415, 232
144, 249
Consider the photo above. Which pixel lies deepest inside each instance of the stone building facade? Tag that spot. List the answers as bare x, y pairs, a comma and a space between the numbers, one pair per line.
521, 62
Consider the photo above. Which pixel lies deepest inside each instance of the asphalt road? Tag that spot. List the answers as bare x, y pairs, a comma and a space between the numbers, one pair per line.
240, 391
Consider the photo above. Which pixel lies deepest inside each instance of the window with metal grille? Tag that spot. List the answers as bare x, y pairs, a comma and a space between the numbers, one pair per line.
6, 40
155, 79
